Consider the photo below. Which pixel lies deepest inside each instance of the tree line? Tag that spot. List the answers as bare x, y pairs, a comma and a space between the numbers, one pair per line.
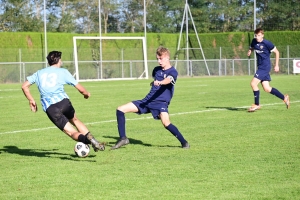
162, 16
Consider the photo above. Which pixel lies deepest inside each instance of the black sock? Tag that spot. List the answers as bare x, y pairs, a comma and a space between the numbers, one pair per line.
278, 94
176, 133
256, 97
121, 123
83, 138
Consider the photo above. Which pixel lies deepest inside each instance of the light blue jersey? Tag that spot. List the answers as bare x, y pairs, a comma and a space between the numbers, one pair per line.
50, 82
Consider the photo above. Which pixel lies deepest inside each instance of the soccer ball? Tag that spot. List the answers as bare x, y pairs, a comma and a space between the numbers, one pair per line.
82, 150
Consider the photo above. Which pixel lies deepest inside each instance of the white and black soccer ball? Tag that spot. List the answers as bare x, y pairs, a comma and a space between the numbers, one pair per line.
81, 150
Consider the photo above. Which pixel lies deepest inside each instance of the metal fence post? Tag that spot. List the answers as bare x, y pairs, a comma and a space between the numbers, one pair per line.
288, 58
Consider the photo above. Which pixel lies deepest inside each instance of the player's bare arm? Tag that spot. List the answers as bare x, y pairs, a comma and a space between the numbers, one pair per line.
166, 81
249, 52
26, 91
276, 66
83, 91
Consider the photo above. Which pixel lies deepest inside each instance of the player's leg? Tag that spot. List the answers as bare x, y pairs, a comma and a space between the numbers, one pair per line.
81, 127
165, 120
254, 85
274, 91
62, 115
86, 137
62, 122
120, 114
72, 132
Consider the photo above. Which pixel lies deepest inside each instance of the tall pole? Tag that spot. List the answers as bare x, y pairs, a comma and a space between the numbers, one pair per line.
186, 12
145, 21
100, 34
45, 33
187, 36
254, 13
145, 36
254, 24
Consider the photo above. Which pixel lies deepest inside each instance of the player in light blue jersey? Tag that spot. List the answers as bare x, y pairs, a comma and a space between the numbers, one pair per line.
263, 49
156, 101
55, 101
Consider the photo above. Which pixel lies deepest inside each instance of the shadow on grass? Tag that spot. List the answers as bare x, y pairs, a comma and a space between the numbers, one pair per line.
41, 153
230, 108
134, 141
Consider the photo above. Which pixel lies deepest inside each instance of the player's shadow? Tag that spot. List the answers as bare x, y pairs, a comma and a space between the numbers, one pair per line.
134, 141
39, 153
228, 108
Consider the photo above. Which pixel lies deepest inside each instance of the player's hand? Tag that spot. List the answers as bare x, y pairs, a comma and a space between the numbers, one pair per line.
249, 53
157, 83
276, 68
86, 96
33, 106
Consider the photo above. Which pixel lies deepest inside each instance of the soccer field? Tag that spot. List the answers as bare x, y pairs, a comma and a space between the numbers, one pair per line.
234, 154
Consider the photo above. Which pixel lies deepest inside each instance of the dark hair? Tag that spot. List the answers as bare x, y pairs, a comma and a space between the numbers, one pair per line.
259, 30
53, 57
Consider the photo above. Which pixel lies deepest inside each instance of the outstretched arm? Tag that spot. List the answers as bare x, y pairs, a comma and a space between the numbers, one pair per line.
26, 91
83, 91
276, 67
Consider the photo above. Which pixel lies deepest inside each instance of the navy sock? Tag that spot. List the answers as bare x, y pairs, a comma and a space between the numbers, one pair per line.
256, 97
176, 133
278, 94
83, 138
121, 123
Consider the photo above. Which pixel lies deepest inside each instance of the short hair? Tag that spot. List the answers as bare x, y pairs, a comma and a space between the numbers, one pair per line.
259, 30
53, 57
162, 51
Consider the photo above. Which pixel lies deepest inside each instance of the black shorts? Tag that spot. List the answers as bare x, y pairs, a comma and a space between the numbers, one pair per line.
60, 113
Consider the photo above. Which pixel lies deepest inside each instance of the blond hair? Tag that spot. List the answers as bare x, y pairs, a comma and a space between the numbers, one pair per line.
162, 51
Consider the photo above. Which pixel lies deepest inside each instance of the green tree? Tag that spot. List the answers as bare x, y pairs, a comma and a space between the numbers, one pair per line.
279, 15
18, 15
110, 15
132, 12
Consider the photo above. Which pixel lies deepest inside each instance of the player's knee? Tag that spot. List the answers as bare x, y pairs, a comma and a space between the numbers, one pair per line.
165, 123
121, 108
267, 89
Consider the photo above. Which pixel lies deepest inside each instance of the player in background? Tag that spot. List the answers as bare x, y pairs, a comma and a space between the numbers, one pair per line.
156, 101
263, 49
55, 101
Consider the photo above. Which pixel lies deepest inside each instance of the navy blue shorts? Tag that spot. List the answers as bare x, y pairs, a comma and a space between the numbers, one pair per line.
60, 113
155, 108
262, 75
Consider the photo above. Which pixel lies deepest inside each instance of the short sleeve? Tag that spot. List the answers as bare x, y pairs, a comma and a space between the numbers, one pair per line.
70, 80
32, 79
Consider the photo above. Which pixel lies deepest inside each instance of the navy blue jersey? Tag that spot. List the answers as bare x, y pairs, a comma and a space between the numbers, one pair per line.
263, 51
162, 93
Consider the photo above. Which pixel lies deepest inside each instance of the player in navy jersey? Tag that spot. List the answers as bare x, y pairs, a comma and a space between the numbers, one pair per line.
55, 102
263, 49
156, 101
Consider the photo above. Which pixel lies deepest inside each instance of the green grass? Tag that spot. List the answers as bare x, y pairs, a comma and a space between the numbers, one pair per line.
234, 154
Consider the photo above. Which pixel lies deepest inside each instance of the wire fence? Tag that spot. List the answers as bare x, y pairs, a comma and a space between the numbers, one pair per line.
16, 72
